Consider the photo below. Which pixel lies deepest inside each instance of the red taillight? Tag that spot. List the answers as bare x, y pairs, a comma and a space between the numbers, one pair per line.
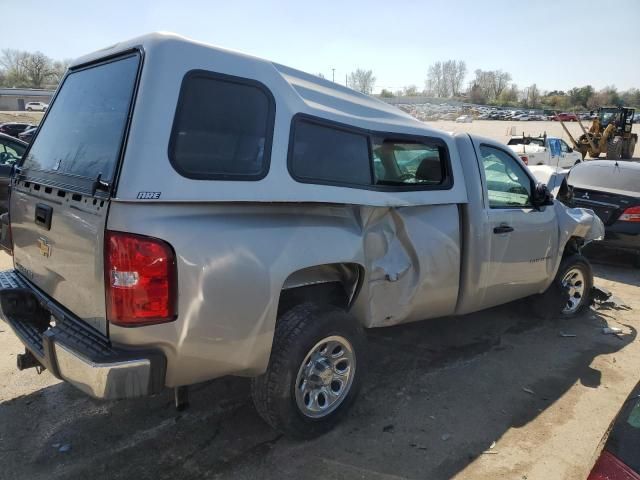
140, 280
609, 467
525, 159
630, 215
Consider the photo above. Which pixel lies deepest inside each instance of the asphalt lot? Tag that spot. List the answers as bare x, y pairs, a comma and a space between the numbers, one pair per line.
438, 395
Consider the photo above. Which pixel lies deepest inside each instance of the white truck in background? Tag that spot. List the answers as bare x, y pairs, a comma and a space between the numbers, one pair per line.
544, 150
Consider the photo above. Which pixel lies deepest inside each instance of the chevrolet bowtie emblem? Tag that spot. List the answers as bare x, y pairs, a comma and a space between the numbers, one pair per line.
45, 248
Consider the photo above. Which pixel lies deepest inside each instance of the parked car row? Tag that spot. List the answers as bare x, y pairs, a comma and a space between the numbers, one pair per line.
14, 128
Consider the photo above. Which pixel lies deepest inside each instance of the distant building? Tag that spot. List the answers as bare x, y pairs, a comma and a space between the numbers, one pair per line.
15, 99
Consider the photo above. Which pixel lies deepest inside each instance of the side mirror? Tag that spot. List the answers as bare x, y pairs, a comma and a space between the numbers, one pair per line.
541, 196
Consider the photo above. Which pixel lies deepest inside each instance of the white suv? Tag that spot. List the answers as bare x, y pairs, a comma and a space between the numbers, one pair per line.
36, 107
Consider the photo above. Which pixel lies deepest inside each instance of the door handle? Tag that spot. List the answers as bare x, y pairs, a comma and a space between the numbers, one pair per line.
503, 229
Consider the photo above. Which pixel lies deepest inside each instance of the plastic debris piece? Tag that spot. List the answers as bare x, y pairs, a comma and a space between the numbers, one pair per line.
493, 444
65, 448
568, 335
611, 330
528, 390
446, 437
56, 445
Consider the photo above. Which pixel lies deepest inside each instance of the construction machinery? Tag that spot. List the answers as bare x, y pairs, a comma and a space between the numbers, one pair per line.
610, 133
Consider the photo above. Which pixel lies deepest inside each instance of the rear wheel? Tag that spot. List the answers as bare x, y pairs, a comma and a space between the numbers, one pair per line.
628, 148
614, 148
316, 366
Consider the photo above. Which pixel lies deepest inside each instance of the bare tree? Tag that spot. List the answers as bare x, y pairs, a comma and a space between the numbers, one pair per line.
362, 81
410, 91
531, 96
38, 67
13, 63
60, 67
445, 79
500, 82
492, 83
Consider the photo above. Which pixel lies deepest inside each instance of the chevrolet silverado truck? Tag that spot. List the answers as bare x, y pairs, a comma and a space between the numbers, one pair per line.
544, 150
186, 212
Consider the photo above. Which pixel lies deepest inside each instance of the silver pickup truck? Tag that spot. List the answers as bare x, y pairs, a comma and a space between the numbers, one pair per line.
186, 212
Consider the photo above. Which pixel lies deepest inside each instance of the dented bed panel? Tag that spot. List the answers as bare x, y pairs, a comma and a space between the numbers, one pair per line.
236, 258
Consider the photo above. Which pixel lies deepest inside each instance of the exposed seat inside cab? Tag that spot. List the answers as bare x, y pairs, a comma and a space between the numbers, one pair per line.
429, 170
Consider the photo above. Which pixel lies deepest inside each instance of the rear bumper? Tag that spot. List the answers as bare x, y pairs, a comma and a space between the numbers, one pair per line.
72, 350
622, 236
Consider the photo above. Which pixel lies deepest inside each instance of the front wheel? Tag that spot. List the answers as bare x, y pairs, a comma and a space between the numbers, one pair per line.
315, 370
575, 280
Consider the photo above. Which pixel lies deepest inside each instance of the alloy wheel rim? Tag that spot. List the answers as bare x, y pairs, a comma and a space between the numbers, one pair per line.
325, 377
573, 282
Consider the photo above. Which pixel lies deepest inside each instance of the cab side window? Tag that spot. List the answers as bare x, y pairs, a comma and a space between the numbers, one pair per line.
407, 163
564, 147
508, 185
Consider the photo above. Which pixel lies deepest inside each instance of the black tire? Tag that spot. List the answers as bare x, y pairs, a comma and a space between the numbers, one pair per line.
297, 332
628, 148
579, 262
614, 148
29, 109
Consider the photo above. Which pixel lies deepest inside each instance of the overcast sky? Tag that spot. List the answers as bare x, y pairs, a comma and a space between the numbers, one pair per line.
556, 44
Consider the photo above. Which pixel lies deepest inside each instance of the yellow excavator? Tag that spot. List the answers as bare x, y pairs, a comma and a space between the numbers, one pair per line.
610, 133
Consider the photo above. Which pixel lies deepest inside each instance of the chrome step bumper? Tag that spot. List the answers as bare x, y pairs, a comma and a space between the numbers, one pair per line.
74, 351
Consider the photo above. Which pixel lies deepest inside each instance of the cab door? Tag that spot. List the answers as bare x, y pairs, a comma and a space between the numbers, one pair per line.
523, 239
569, 155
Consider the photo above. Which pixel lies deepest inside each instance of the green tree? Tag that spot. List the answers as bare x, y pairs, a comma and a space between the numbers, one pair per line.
386, 93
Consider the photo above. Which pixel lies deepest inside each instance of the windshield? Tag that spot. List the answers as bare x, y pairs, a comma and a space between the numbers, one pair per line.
84, 128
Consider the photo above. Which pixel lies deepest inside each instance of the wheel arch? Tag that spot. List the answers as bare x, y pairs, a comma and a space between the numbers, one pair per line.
334, 283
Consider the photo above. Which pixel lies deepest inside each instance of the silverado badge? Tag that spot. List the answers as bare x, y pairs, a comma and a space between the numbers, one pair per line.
45, 248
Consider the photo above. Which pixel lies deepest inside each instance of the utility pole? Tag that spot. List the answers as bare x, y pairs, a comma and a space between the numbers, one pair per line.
333, 78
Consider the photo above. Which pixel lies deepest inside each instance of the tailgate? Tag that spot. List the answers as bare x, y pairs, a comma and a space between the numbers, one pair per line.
60, 198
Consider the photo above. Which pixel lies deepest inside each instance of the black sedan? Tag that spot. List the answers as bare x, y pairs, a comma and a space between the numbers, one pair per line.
14, 128
612, 190
620, 458
28, 134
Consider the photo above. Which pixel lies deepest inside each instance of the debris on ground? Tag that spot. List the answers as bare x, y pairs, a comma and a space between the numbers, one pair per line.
446, 437
65, 448
611, 331
418, 446
604, 299
528, 390
388, 429
568, 335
